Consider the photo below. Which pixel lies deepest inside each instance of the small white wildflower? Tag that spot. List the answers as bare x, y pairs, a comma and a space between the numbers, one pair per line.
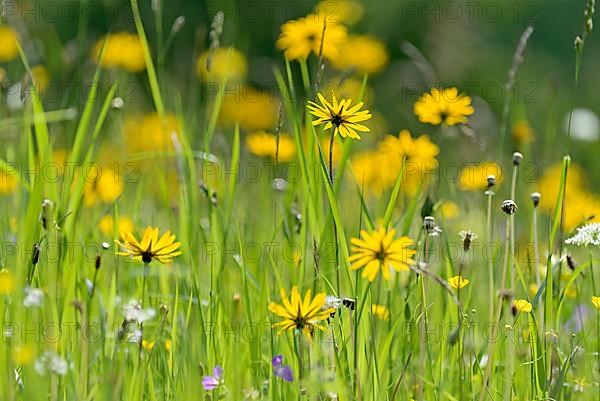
51, 362
134, 313
332, 301
586, 235
33, 297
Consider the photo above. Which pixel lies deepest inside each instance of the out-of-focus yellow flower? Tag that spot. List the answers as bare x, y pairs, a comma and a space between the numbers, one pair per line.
148, 345
341, 11
348, 88
363, 53
123, 50
474, 176
23, 354
222, 64
41, 76
366, 167
8, 43
168, 345
107, 225
254, 110
596, 302
7, 282
337, 149
103, 185
522, 132
265, 145
444, 107
8, 182
522, 305
449, 210
381, 312
458, 282
148, 134
299, 38
533, 289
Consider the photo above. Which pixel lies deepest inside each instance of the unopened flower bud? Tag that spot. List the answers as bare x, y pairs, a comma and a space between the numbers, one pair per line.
535, 198
509, 207
517, 157
491, 181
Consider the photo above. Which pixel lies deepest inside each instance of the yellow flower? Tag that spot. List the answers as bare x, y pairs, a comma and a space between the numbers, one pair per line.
342, 11
299, 314
7, 282
474, 176
596, 302
123, 50
252, 109
522, 305
168, 345
148, 134
362, 53
265, 145
222, 64
458, 282
8, 182
8, 43
380, 251
148, 345
23, 354
381, 312
106, 225
522, 132
366, 167
449, 210
150, 247
443, 106
41, 76
533, 289
300, 37
102, 185
340, 117
337, 150
348, 88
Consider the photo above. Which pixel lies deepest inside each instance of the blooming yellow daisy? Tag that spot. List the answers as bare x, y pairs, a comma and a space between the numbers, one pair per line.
265, 145
458, 282
379, 250
150, 247
310, 34
303, 315
443, 106
340, 117
522, 305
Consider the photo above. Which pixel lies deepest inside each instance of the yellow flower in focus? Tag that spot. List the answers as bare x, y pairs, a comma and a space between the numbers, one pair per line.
362, 53
7, 282
449, 210
522, 132
381, 251
596, 302
444, 106
107, 225
123, 50
252, 109
340, 117
148, 134
103, 185
522, 305
303, 315
8, 43
458, 282
380, 311
150, 247
474, 176
299, 38
23, 354
341, 11
222, 64
265, 145
148, 345
8, 182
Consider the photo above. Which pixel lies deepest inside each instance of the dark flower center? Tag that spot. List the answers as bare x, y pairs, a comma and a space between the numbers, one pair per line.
444, 116
147, 256
336, 120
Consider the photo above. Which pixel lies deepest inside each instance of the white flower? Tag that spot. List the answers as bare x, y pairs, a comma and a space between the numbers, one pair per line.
33, 297
51, 362
332, 302
134, 313
586, 235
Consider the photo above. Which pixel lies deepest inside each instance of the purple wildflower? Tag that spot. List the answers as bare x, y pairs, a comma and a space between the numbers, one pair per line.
212, 382
285, 372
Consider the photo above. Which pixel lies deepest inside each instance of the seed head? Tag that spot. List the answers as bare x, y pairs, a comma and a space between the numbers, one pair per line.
517, 157
535, 198
509, 207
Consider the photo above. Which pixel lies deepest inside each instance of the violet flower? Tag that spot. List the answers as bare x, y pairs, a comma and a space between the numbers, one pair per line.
212, 382
285, 372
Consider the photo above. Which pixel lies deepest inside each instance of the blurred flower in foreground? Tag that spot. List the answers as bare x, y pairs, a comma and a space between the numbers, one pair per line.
102, 185
215, 381
380, 311
443, 106
150, 247
522, 132
586, 235
522, 305
50, 361
222, 64
449, 210
342, 11
107, 225
362, 53
23, 354
380, 251
148, 133
33, 297
340, 117
7, 282
300, 37
251, 108
584, 125
8, 43
303, 315
8, 182
280, 370
458, 282
474, 177
148, 345
123, 50
596, 302
265, 145
41, 76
